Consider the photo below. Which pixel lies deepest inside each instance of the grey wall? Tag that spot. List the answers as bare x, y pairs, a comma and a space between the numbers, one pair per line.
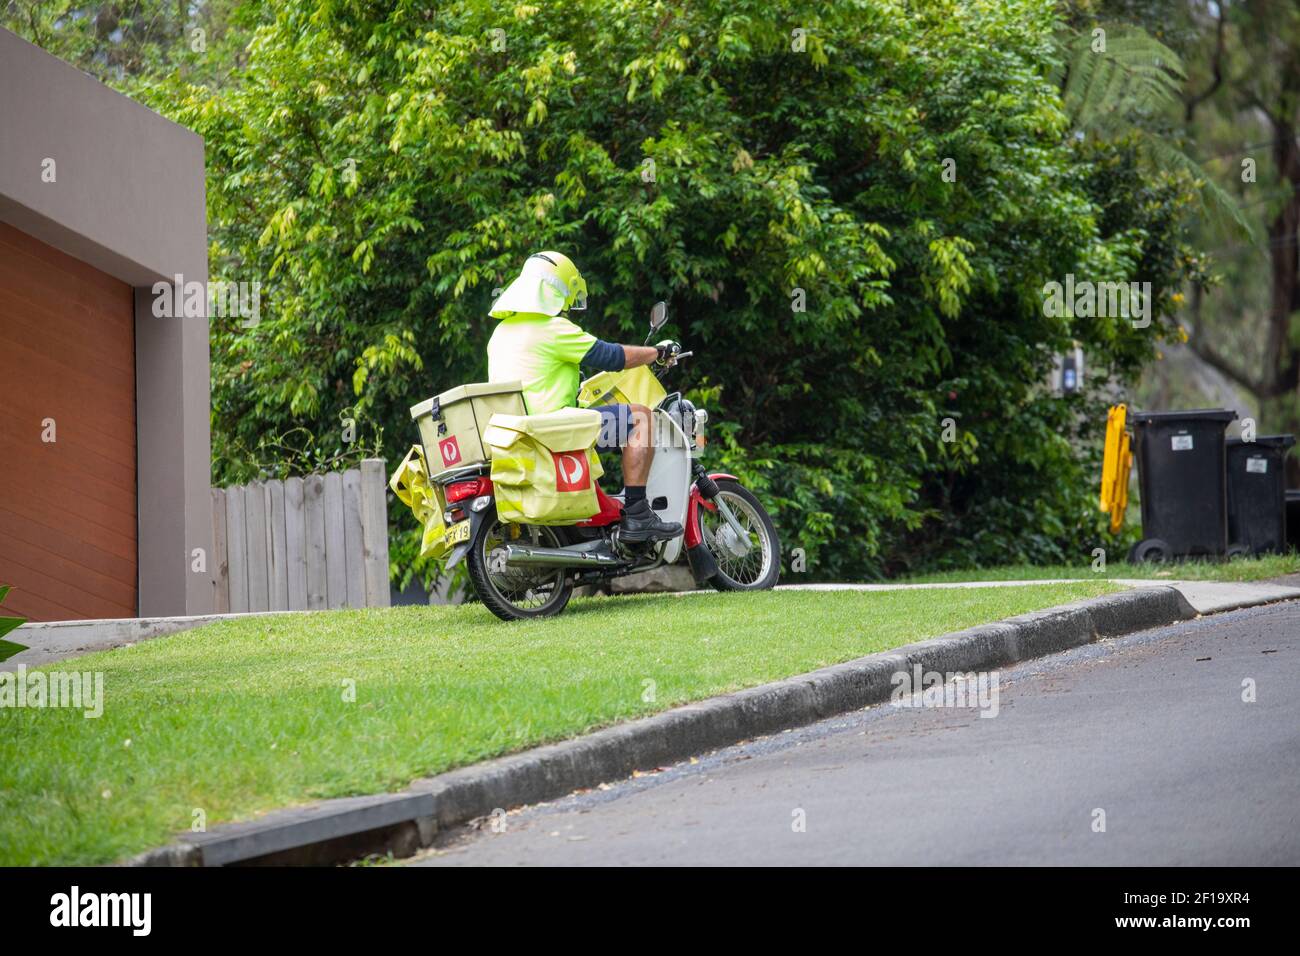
128, 200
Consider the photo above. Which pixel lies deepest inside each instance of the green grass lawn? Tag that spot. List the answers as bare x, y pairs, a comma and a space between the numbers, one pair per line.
244, 716
1238, 569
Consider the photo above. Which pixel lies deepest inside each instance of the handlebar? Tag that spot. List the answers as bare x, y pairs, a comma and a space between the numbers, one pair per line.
659, 370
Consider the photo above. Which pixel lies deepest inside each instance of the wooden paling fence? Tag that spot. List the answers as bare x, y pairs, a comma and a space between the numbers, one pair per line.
302, 543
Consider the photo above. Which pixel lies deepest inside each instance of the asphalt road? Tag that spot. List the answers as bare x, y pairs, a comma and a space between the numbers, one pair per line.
1151, 729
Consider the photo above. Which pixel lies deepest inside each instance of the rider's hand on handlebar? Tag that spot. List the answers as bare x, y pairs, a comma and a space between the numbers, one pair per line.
668, 350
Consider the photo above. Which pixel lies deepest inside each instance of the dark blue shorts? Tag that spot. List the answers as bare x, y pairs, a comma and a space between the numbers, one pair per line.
615, 425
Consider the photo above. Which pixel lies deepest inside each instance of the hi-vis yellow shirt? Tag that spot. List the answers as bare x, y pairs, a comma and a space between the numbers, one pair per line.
543, 352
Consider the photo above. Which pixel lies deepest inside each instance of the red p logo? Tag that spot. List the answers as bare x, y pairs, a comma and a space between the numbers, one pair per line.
450, 451
571, 471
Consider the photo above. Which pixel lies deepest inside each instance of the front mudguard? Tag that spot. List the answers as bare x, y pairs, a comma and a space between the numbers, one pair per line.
698, 555
476, 518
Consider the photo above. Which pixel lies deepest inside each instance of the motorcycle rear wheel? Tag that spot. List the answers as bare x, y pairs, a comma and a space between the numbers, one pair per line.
516, 594
760, 567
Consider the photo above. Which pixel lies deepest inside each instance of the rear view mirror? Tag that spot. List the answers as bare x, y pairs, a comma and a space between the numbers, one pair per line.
658, 316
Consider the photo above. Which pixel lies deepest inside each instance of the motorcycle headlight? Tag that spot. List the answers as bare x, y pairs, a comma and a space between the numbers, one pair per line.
701, 417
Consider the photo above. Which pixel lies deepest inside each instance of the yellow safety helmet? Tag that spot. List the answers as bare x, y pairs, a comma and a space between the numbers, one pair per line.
549, 284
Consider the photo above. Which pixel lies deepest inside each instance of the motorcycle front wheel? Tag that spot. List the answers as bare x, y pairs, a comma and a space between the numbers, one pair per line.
515, 594
751, 560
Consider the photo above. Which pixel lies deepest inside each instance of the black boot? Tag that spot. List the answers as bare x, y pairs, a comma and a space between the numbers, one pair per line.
641, 524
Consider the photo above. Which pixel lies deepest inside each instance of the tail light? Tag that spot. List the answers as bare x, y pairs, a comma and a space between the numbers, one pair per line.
469, 488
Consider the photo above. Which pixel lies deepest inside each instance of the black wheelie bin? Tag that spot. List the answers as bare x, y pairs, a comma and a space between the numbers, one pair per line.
1182, 475
1257, 494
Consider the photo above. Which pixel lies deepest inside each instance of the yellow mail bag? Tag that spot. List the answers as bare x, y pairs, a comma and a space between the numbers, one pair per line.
544, 467
632, 386
410, 483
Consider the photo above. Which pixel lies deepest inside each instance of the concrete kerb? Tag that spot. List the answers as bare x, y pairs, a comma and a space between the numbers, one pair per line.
51, 641
439, 803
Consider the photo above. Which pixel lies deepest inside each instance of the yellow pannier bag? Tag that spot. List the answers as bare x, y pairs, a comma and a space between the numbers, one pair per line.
410, 483
633, 386
544, 467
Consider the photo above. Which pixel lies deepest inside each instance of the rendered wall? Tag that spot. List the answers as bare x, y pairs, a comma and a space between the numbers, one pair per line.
127, 198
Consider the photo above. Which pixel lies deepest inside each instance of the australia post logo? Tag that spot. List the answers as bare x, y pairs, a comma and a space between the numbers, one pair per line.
571, 471
450, 451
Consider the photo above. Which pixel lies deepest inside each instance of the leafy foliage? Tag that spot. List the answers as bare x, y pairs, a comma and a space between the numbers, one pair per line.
122, 41
851, 207
7, 624
1118, 81
1114, 73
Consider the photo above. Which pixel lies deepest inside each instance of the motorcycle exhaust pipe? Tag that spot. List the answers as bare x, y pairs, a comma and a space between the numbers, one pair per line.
519, 556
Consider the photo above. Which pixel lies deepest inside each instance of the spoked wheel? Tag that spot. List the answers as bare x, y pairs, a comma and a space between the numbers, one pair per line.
514, 594
748, 559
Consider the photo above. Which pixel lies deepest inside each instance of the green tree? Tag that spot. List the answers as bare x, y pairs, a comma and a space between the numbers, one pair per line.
123, 41
852, 208
1246, 114
1237, 115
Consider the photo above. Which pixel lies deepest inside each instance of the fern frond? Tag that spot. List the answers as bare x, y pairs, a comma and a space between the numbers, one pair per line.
1134, 74
1113, 92
1219, 206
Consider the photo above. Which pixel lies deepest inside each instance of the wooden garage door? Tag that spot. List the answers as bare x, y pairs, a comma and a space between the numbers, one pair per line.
67, 372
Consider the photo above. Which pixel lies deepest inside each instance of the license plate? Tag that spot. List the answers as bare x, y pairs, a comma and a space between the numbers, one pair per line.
458, 533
